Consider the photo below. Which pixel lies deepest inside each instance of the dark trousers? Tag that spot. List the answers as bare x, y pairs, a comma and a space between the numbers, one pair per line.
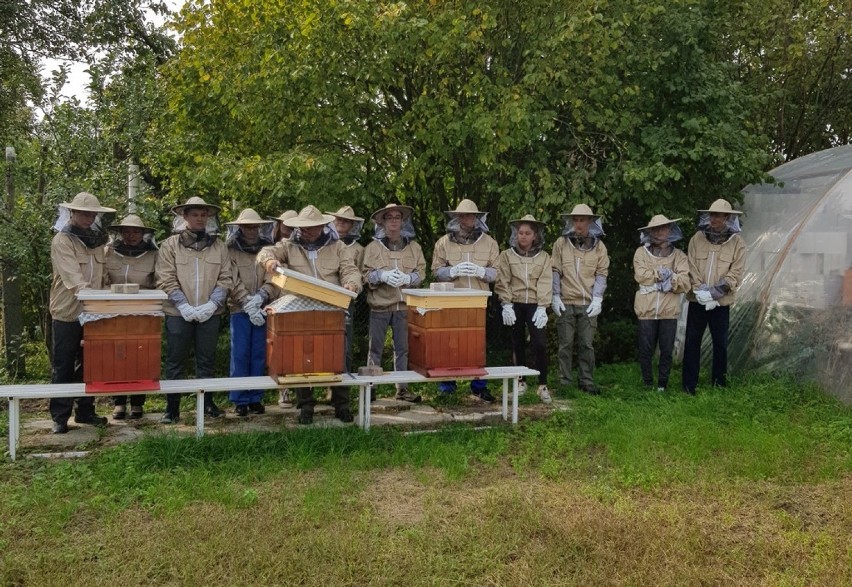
181, 338
524, 323
68, 368
697, 321
652, 333
339, 398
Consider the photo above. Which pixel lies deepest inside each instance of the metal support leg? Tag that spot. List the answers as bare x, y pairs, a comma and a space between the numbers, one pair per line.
199, 413
361, 406
514, 400
505, 399
14, 425
368, 394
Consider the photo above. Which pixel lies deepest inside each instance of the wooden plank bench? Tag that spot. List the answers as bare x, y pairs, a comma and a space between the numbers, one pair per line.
365, 384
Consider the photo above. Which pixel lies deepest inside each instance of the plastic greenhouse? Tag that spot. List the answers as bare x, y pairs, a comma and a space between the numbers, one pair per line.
794, 309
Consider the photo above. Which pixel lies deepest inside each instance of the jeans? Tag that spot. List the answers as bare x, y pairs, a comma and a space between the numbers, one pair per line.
248, 356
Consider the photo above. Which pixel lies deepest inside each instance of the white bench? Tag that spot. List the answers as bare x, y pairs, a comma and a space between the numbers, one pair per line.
365, 384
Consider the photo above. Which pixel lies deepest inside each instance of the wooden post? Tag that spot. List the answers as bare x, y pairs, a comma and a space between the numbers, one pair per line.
13, 320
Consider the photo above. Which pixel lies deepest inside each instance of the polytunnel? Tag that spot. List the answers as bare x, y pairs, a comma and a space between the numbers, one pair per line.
793, 309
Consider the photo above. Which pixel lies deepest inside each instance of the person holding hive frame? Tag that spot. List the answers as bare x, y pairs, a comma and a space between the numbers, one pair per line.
77, 258
662, 272
246, 236
131, 257
194, 270
466, 256
392, 261
524, 287
316, 250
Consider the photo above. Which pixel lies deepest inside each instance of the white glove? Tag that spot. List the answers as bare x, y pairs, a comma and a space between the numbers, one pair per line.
386, 276
703, 296
508, 315
187, 312
394, 278
557, 305
711, 305
205, 311
478, 271
465, 269
253, 303
540, 317
257, 317
405, 279
455, 270
595, 307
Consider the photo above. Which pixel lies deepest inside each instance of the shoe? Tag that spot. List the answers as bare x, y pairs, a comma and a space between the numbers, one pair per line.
169, 418
522, 387
135, 412
343, 414
484, 395
257, 408
60, 427
212, 410
119, 413
306, 416
284, 399
544, 394
408, 396
93, 419
590, 389
661, 389
241, 410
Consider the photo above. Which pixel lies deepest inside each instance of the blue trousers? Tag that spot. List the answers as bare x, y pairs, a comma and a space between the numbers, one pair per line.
248, 356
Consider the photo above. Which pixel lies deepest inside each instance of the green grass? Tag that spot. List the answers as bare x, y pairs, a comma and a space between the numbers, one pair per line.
746, 485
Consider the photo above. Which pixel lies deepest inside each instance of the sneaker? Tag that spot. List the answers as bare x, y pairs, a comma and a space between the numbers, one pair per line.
257, 408
306, 416
169, 418
408, 396
522, 387
60, 427
661, 389
212, 410
93, 419
484, 395
343, 414
135, 412
241, 410
284, 398
119, 412
544, 394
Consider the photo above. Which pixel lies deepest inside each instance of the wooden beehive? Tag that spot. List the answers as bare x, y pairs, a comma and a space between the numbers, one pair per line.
316, 289
449, 340
304, 343
123, 349
122, 352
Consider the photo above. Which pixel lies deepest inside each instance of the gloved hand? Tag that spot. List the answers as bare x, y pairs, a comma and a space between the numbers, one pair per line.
385, 276
465, 269
395, 278
711, 305
665, 285
719, 290
595, 307
205, 311
404, 279
508, 315
557, 305
540, 317
703, 296
477, 271
455, 270
252, 303
664, 273
257, 317
187, 312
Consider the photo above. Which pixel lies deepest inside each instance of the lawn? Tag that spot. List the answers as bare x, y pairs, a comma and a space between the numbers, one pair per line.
751, 485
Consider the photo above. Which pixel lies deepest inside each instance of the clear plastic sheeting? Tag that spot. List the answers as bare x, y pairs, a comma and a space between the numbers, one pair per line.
790, 316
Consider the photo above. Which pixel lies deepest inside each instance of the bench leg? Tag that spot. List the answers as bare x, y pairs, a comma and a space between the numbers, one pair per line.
14, 425
368, 394
514, 400
199, 413
505, 399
